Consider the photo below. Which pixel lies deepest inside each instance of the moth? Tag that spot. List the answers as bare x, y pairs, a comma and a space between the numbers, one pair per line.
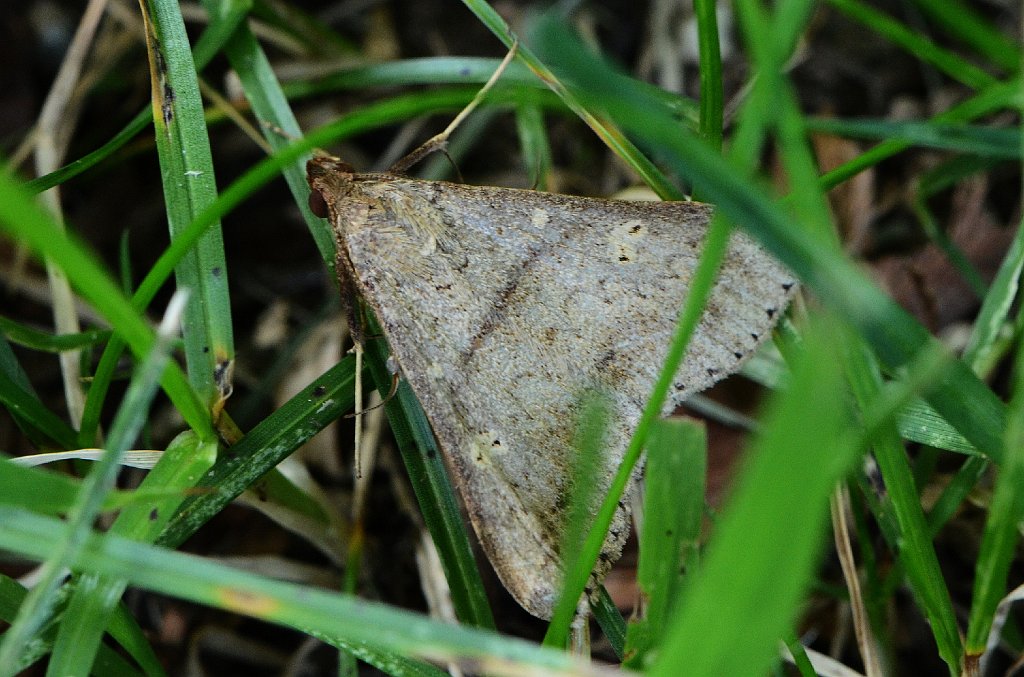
502, 306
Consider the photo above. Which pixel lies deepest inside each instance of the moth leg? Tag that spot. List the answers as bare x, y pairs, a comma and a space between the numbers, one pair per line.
395, 378
579, 629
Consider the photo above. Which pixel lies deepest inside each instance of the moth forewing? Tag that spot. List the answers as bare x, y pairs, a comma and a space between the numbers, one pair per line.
501, 306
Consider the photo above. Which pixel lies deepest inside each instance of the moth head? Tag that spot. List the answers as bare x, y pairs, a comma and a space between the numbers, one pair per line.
328, 179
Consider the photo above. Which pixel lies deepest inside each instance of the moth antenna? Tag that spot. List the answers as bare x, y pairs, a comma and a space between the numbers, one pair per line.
439, 142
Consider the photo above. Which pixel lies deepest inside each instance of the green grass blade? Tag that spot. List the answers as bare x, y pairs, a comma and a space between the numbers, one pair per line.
186, 169
612, 624
45, 491
24, 221
10, 367
583, 501
669, 542
277, 121
53, 343
307, 413
309, 610
913, 538
918, 422
434, 492
209, 43
39, 423
533, 140
767, 540
964, 401
438, 70
963, 24
95, 597
985, 334
999, 542
712, 96
986, 141
108, 661
127, 423
304, 28
608, 134
222, 24
915, 43
442, 70
996, 97
941, 239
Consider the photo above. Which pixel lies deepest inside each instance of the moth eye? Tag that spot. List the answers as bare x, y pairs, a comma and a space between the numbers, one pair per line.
317, 204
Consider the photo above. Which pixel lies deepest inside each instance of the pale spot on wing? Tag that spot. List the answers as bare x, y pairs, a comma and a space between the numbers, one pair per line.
626, 239
485, 445
540, 218
435, 371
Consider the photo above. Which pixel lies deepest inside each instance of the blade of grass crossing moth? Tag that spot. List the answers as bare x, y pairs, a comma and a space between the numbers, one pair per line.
765, 546
94, 599
186, 170
670, 536
963, 400
434, 492
582, 498
308, 609
127, 423
715, 244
